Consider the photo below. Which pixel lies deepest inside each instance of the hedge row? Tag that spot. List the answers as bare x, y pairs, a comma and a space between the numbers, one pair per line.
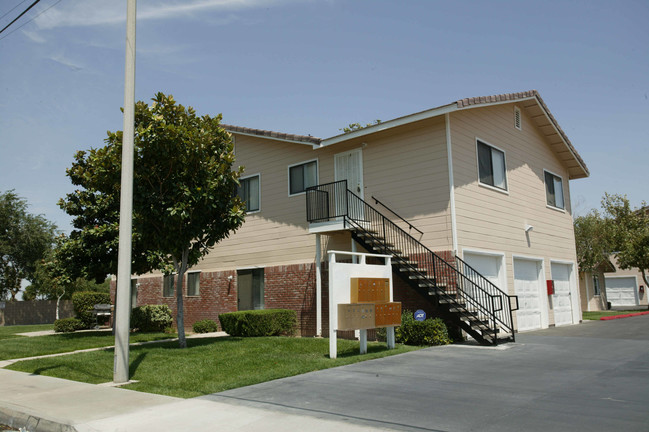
151, 318
84, 305
267, 322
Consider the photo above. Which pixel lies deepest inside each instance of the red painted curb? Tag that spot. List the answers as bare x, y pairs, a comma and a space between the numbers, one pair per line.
612, 317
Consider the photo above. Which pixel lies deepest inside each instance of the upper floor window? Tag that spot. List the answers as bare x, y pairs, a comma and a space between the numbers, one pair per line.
249, 192
554, 190
302, 176
491, 166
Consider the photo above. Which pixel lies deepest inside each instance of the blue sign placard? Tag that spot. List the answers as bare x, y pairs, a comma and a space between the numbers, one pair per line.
420, 315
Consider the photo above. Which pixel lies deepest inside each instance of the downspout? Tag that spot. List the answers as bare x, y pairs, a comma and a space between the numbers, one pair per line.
318, 285
451, 183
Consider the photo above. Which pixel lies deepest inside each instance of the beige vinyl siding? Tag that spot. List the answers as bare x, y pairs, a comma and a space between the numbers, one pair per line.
406, 169
277, 234
495, 221
590, 301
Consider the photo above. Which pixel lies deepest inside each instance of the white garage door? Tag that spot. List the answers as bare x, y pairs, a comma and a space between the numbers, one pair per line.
487, 265
621, 291
562, 294
527, 284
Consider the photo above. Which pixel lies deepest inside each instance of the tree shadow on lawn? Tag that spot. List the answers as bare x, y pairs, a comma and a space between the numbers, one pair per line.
355, 351
134, 364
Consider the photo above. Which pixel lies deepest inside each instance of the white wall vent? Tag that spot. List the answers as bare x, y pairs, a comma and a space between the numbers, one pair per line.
517, 118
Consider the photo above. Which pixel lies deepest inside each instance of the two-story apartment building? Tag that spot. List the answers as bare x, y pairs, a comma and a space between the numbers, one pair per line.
486, 179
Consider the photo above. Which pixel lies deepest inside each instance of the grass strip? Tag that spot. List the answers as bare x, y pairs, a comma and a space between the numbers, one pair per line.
21, 347
596, 315
208, 365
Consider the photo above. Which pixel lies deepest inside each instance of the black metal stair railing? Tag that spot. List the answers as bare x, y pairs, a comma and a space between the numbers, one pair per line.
472, 296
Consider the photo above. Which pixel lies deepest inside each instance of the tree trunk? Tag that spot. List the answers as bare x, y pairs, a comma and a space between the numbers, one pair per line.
58, 302
644, 276
181, 268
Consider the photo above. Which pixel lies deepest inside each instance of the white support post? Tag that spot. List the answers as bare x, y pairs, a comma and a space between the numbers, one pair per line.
318, 285
122, 295
363, 339
333, 312
355, 250
390, 339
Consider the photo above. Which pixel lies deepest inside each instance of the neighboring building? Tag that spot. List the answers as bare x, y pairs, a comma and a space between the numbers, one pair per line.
592, 287
625, 288
484, 178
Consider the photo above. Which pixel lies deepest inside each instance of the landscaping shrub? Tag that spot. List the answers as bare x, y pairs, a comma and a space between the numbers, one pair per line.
151, 318
84, 303
269, 322
68, 325
431, 331
205, 326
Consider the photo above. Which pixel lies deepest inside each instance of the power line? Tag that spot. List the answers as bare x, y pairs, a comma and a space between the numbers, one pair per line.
24, 24
23, 13
11, 10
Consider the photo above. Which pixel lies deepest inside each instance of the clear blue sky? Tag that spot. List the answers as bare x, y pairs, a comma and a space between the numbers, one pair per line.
312, 67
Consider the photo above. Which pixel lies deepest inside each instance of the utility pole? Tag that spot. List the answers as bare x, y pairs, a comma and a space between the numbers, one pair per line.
123, 295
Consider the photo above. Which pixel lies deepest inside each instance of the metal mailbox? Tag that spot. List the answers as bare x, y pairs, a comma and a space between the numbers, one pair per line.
387, 314
369, 290
356, 316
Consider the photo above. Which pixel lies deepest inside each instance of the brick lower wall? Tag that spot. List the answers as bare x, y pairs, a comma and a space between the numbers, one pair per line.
285, 287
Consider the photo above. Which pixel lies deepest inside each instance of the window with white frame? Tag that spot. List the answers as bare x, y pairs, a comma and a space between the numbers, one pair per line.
554, 190
193, 284
491, 166
168, 286
302, 176
249, 192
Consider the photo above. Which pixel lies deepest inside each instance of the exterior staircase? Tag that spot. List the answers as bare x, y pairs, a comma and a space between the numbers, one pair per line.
458, 292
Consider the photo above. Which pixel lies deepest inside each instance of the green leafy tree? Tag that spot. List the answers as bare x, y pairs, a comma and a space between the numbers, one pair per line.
24, 240
593, 236
357, 126
630, 228
183, 193
52, 280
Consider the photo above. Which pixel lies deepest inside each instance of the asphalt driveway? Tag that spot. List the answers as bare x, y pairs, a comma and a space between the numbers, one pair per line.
591, 377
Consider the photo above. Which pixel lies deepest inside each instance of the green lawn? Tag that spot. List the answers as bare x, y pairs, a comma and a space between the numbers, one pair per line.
208, 365
598, 314
20, 347
7, 332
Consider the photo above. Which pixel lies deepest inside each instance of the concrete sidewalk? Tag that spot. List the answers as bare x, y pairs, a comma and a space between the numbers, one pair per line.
40, 403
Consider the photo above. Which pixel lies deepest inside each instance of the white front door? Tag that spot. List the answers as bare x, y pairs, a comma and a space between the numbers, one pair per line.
349, 166
562, 298
527, 284
621, 291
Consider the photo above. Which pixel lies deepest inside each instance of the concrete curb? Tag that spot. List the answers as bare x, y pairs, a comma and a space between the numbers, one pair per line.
613, 317
32, 423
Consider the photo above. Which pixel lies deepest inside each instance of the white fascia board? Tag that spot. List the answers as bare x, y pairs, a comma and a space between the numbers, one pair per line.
389, 124
574, 156
314, 146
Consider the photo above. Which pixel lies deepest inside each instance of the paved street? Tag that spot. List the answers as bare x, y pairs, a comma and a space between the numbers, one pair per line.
590, 377
593, 376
